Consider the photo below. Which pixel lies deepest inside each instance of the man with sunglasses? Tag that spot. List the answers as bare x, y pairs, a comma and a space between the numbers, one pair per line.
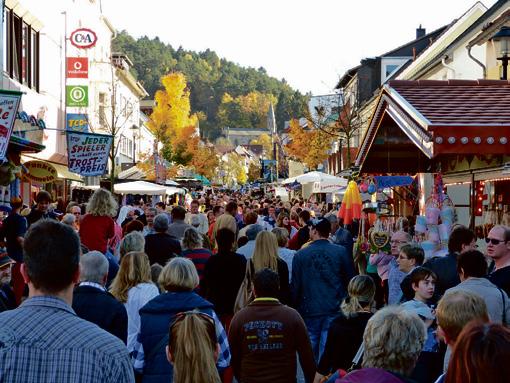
498, 249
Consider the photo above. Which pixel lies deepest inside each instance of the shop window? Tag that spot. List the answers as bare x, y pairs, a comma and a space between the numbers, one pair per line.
102, 110
21, 50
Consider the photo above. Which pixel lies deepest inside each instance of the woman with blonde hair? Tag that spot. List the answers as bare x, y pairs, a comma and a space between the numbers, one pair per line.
346, 331
178, 279
97, 226
265, 255
193, 348
134, 288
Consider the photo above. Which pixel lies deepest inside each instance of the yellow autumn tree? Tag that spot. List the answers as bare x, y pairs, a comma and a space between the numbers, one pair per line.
171, 117
205, 161
308, 146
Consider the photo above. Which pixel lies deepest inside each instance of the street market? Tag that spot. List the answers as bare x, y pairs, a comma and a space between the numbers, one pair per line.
330, 206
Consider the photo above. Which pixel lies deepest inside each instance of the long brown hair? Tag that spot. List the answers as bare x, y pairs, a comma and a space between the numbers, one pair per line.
134, 269
193, 344
481, 354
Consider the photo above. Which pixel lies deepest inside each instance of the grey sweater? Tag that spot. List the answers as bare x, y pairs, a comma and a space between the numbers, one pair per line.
495, 299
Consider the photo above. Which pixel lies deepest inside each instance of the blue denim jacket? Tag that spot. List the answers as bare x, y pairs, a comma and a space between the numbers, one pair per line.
320, 275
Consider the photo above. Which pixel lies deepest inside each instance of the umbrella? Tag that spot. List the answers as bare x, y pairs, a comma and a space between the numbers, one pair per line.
351, 204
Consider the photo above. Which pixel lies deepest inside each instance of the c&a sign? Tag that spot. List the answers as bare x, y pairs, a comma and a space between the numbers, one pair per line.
77, 67
83, 38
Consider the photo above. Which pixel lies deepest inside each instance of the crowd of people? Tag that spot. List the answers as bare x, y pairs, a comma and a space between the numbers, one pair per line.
242, 288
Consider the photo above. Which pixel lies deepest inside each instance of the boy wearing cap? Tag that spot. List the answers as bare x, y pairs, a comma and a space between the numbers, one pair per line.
7, 300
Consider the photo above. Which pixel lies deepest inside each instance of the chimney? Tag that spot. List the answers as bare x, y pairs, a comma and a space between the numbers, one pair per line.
420, 32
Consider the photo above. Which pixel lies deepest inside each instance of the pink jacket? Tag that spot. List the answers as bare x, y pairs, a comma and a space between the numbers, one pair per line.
382, 261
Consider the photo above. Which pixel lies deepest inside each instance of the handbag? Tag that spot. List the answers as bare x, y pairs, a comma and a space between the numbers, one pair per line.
245, 294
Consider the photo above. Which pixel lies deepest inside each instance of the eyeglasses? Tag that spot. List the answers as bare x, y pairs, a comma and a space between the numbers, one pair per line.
494, 241
77, 213
393, 242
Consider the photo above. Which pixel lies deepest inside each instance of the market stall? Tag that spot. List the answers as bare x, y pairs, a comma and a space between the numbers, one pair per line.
319, 183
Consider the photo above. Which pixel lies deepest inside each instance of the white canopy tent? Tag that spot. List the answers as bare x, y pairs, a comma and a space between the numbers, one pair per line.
140, 187
320, 177
318, 182
171, 190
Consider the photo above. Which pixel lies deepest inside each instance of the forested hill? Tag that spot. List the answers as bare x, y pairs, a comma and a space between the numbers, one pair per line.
226, 93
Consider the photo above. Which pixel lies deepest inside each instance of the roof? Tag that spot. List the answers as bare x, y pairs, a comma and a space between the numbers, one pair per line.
399, 51
443, 117
459, 102
479, 24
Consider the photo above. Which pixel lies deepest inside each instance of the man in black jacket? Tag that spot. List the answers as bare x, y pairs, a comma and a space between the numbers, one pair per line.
461, 239
92, 302
161, 246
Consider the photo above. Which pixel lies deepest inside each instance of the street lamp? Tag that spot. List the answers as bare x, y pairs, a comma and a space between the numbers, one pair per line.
134, 128
502, 45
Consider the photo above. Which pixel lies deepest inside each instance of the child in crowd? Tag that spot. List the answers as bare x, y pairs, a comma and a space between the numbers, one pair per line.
423, 282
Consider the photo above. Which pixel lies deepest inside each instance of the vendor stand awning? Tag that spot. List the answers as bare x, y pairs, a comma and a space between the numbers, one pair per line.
315, 176
418, 124
139, 187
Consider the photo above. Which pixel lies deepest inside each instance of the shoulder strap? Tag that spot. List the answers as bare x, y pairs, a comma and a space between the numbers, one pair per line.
504, 306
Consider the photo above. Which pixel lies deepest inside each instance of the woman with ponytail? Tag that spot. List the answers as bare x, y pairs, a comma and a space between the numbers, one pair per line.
346, 331
193, 348
178, 280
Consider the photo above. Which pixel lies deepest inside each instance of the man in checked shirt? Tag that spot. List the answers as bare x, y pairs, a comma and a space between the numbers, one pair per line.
43, 340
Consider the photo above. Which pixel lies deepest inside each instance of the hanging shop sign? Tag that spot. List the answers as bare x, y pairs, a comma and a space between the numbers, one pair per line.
77, 122
83, 38
77, 67
77, 95
9, 103
87, 153
40, 172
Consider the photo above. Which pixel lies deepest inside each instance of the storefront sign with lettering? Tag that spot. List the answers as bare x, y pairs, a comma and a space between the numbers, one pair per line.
77, 95
87, 153
9, 103
77, 67
83, 38
77, 122
40, 172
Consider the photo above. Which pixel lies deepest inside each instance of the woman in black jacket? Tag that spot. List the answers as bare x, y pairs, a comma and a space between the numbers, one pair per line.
346, 331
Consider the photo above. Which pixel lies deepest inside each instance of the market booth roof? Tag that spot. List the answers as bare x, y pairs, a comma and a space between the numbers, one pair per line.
139, 187
317, 177
414, 122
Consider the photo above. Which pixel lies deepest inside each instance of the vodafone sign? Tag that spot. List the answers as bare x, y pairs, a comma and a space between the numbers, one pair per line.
77, 67
83, 38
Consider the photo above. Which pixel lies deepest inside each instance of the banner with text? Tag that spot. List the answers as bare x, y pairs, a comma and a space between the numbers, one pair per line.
77, 122
9, 103
87, 153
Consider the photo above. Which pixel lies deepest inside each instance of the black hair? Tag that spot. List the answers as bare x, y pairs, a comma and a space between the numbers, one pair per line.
231, 207
266, 283
216, 209
225, 238
458, 237
51, 253
43, 196
178, 212
305, 215
420, 274
414, 252
472, 263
